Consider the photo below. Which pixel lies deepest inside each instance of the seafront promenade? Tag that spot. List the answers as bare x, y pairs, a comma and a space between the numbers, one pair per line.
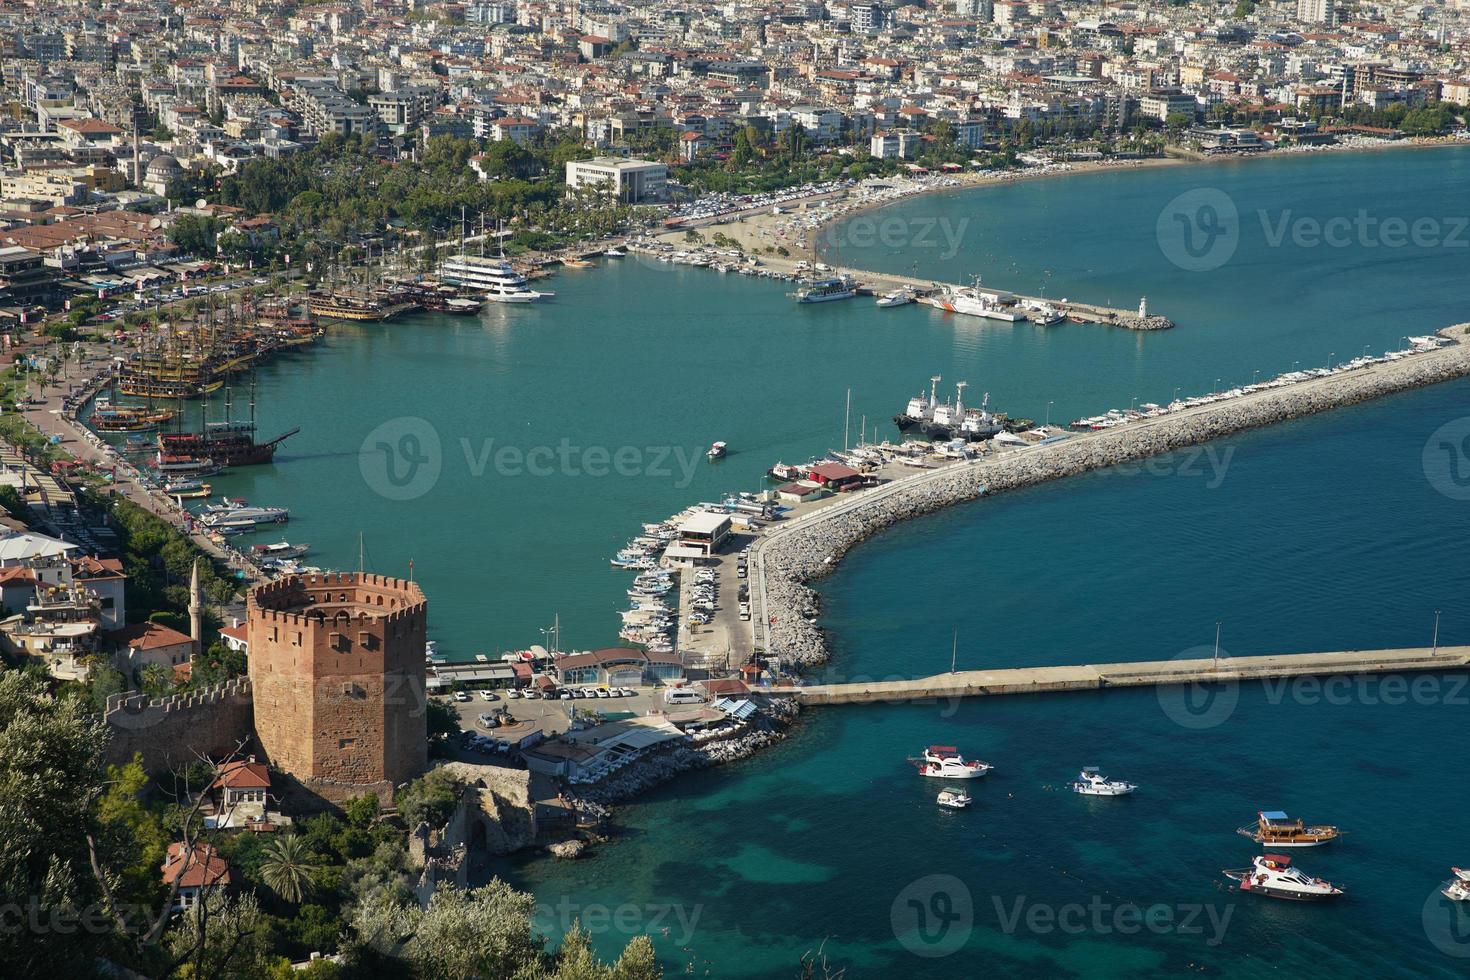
1097, 677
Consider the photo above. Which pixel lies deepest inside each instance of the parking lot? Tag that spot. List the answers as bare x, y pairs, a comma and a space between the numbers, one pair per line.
517, 717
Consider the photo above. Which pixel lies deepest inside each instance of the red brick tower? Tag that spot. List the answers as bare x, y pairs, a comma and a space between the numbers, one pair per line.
337, 668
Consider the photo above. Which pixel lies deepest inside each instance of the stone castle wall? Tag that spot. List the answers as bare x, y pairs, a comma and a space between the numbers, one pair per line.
178, 729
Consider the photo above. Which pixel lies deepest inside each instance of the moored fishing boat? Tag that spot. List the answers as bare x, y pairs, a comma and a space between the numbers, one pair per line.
1275, 829
1273, 876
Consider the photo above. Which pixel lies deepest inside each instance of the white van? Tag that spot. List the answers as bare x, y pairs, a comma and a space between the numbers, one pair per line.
682, 695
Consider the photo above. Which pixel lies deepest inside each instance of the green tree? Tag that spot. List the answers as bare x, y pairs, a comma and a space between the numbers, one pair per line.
289, 868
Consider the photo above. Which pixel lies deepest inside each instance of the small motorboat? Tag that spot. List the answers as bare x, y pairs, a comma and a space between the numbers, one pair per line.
1090, 782
1273, 876
945, 762
716, 451
615, 253
952, 799
1457, 889
1275, 829
898, 297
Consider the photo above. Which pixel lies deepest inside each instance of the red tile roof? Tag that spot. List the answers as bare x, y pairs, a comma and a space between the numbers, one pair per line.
148, 636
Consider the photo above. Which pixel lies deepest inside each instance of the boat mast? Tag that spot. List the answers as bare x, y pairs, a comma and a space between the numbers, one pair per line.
954, 650
846, 420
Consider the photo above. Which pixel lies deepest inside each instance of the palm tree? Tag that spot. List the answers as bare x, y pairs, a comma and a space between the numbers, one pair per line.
287, 868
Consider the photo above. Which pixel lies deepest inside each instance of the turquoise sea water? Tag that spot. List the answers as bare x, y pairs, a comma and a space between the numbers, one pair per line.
1320, 534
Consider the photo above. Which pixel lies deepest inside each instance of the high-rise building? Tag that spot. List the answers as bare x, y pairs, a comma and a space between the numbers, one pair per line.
1316, 11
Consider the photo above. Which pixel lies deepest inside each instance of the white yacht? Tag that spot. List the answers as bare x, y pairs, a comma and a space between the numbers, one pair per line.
494, 277
1457, 889
898, 297
1090, 782
945, 762
1272, 875
952, 799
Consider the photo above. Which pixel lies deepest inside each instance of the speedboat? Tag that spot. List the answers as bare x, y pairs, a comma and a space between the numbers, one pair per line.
1462, 873
1275, 829
945, 762
1457, 889
1090, 782
615, 253
281, 549
1273, 876
952, 799
898, 297
716, 451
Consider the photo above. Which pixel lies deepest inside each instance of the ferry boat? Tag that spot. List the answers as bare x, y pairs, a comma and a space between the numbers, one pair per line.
948, 421
193, 491
716, 451
898, 297
1090, 782
1273, 876
281, 549
825, 290
496, 278
1275, 829
945, 762
953, 799
972, 301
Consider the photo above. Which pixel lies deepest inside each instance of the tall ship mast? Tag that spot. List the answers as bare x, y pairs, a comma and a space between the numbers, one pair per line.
229, 442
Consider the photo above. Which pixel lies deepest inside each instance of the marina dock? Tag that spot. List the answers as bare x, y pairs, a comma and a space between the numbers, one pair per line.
1098, 677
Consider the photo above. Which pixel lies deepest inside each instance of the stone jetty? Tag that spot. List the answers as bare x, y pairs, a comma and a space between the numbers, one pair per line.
790, 556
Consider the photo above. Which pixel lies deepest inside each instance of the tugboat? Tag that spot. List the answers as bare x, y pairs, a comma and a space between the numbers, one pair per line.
1090, 782
1273, 876
716, 451
1275, 829
945, 762
952, 799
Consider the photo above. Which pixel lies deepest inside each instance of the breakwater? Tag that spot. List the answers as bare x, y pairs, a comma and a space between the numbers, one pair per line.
1154, 673
789, 557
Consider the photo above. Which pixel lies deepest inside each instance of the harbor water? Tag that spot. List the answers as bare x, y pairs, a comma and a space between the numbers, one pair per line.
492, 464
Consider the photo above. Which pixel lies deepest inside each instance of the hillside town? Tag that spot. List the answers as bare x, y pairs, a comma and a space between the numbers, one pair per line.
121, 118
250, 746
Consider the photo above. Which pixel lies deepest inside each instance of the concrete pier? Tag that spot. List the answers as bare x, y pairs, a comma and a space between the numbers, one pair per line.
792, 554
1097, 677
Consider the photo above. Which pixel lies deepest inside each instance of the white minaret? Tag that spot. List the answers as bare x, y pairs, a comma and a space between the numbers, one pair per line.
1143, 307
196, 609
959, 397
933, 389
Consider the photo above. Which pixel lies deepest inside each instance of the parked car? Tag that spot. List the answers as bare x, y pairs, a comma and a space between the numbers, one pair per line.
461, 696
487, 720
488, 696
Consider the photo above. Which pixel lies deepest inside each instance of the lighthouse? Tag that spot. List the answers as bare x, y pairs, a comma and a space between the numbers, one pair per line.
1143, 307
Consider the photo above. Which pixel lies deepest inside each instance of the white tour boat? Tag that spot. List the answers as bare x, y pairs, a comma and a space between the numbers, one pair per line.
1272, 875
494, 277
717, 451
952, 799
945, 762
1090, 782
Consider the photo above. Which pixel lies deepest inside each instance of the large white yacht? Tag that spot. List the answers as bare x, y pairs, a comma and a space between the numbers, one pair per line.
1273, 875
945, 762
494, 277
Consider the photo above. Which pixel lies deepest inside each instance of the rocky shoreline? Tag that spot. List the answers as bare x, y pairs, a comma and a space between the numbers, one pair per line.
769, 726
793, 557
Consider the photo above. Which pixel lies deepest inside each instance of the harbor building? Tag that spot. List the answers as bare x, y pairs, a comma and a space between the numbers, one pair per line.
704, 533
621, 667
337, 670
630, 181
